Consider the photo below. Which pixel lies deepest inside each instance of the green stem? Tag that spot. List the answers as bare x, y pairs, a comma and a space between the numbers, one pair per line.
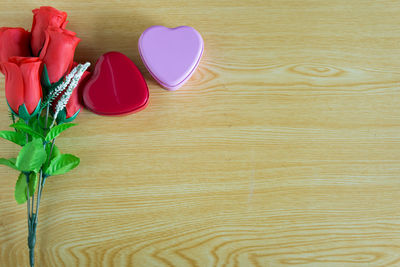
32, 243
39, 194
30, 215
31, 227
32, 257
33, 218
32, 201
28, 201
47, 116
13, 117
41, 177
42, 181
52, 146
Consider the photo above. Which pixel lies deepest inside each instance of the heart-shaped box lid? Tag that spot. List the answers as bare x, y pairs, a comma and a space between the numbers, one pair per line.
116, 86
171, 55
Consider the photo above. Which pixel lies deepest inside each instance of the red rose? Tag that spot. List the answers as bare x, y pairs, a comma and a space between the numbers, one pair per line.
58, 52
23, 89
14, 42
43, 18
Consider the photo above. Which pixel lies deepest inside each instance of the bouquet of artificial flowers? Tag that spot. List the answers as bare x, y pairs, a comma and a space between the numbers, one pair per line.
41, 81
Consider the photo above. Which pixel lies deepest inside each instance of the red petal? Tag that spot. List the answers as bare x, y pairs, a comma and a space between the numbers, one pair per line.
43, 18
14, 85
29, 68
58, 52
14, 42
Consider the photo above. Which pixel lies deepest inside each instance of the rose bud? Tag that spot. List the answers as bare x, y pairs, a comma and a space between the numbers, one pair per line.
58, 52
23, 89
14, 42
43, 18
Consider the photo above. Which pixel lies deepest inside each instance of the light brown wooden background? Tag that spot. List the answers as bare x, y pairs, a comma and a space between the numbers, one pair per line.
283, 149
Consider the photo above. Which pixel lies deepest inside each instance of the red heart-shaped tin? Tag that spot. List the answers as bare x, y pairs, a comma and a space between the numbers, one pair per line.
116, 86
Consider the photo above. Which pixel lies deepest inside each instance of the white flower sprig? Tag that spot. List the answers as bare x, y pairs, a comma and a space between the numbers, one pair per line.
61, 87
72, 79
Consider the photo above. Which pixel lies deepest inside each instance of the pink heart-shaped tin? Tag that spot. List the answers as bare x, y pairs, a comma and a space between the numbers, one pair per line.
171, 55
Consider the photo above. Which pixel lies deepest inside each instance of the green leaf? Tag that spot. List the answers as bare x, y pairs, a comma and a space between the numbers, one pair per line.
57, 130
62, 164
36, 124
23, 112
33, 181
32, 156
26, 129
45, 77
47, 86
20, 189
62, 117
15, 137
54, 153
9, 162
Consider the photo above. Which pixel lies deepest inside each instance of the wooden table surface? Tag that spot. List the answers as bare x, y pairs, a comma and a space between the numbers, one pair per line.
282, 149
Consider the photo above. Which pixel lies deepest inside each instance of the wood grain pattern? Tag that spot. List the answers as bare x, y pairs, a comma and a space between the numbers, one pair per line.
283, 149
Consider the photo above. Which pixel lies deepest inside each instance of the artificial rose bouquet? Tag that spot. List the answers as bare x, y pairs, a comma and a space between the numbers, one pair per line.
40, 87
